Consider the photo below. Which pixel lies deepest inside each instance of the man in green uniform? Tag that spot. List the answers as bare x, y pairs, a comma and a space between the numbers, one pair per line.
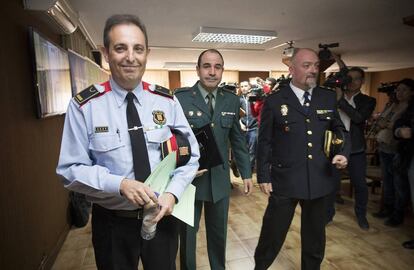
203, 104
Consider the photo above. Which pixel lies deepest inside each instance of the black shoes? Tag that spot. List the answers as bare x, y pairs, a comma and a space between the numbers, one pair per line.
408, 244
363, 223
393, 221
383, 213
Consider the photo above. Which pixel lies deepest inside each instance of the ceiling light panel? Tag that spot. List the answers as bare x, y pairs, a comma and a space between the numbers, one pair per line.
235, 36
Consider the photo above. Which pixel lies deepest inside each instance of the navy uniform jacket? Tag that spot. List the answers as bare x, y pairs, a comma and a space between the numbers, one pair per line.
290, 147
215, 185
96, 150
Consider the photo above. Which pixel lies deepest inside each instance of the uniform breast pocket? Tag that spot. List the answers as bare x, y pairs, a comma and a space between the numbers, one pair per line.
158, 135
109, 151
196, 122
105, 143
325, 116
227, 121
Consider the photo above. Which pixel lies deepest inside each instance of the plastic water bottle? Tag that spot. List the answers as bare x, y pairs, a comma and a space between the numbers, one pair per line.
149, 228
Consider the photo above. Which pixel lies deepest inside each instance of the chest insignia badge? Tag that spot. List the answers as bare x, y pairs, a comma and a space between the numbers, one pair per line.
284, 109
199, 113
159, 117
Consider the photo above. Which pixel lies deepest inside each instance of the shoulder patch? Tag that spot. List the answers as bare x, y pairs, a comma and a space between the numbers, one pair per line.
181, 89
90, 92
159, 90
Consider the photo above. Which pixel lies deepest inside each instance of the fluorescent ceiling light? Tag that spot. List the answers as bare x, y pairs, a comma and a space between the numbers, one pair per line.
238, 36
179, 65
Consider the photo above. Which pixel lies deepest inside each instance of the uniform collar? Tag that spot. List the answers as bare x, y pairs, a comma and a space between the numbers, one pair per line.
299, 92
120, 93
204, 92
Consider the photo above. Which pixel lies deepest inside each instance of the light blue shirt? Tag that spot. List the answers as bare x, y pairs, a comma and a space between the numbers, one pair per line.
96, 150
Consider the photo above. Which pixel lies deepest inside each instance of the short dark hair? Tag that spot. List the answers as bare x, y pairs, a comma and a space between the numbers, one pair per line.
272, 80
408, 82
118, 19
359, 70
209, 50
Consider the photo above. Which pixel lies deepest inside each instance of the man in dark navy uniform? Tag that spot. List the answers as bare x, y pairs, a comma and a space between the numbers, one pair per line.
292, 166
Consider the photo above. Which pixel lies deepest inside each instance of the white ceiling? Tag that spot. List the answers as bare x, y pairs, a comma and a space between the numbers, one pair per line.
370, 32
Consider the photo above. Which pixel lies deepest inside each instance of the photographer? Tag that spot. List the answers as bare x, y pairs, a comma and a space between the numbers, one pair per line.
354, 109
405, 148
403, 131
248, 122
387, 146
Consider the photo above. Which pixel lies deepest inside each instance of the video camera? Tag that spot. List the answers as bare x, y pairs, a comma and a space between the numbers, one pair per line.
256, 93
325, 54
229, 86
388, 87
282, 81
339, 79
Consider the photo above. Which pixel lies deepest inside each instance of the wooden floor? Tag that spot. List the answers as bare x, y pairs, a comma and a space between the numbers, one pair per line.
348, 247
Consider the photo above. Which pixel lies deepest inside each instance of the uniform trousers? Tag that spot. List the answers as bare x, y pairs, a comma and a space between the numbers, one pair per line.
216, 216
118, 245
276, 222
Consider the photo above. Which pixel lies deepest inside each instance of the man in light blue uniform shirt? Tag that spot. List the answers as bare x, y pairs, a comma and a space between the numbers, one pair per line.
96, 154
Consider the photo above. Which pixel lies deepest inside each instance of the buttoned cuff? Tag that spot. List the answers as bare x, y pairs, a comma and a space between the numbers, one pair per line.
113, 184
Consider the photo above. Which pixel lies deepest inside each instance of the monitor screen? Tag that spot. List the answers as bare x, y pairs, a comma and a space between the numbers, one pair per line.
84, 72
51, 75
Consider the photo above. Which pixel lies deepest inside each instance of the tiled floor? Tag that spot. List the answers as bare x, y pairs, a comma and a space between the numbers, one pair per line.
347, 248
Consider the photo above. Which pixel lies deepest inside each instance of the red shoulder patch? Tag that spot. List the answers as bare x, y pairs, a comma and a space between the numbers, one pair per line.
92, 91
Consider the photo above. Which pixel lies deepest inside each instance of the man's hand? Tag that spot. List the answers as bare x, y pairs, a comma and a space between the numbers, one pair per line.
248, 186
405, 132
266, 188
340, 161
201, 172
166, 204
137, 192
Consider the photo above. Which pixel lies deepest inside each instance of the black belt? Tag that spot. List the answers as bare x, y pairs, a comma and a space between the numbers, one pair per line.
137, 213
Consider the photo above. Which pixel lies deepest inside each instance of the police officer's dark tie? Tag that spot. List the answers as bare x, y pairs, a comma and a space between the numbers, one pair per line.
306, 103
142, 168
210, 97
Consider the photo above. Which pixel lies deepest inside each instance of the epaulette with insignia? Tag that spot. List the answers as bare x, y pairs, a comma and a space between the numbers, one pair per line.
87, 94
162, 91
181, 89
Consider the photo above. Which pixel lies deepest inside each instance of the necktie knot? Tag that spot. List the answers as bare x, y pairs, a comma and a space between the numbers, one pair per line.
130, 97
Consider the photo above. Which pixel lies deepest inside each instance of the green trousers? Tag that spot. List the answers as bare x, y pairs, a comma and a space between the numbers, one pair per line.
215, 216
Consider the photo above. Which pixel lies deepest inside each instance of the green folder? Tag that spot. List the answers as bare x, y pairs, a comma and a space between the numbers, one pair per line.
159, 180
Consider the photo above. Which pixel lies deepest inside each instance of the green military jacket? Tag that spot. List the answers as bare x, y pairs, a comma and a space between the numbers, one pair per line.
215, 185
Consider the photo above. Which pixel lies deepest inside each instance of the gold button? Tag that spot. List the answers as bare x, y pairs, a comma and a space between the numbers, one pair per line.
328, 118
191, 126
307, 120
309, 156
307, 104
310, 144
309, 132
212, 125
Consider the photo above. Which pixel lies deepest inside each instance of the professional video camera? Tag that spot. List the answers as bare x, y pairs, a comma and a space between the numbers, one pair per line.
256, 93
388, 87
229, 86
325, 54
339, 79
282, 81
